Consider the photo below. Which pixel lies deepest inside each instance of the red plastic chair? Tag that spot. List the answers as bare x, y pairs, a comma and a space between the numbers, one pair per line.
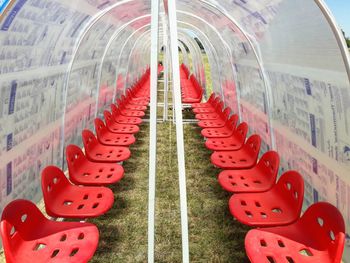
123, 119
260, 178
106, 137
128, 112
318, 236
281, 205
216, 123
211, 109
137, 100
129, 106
116, 127
98, 152
205, 104
211, 116
244, 158
223, 132
63, 199
84, 172
232, 143
28, 236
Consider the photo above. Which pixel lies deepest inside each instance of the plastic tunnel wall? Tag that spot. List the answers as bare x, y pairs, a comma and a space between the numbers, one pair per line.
282, 65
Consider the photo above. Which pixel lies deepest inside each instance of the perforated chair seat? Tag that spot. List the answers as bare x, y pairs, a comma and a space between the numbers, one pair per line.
217, 123
231, 143
107, 137
122, 128
204, 110
63, 199
244, 158
117, 117
132, 113
281, 205
97, 152
260, 178
223, 132
318, 236
40, 240
84, 172
207, 116
204, 104
212, 123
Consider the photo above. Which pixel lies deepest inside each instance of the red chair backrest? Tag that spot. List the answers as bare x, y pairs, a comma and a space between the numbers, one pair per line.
19, 221
108, 117
291, 189
74, 157
327, 225
241, 131
225, 113
115, 110
253, 144
219, 107
211, 98
53, 183
232, 122
100, 127
89, 139
269, 165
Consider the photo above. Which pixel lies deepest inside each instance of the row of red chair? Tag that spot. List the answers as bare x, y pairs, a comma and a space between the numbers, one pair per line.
258, 201
191, 90
28, 235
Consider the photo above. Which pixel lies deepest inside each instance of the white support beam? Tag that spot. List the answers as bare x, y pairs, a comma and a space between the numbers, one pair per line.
179, 127
153, 128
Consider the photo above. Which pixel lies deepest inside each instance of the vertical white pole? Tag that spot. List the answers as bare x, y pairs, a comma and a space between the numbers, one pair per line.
179, 127
153, 128
166, 66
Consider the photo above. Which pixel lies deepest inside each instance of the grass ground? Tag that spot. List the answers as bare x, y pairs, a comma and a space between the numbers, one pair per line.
214, 235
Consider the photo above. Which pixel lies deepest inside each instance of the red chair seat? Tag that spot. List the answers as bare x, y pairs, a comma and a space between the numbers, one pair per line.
98, 152
260, 178
244, 158
223, 132
84, 172
63, 199
204, 110
119, 128
281, 205
216, 123
137, 100
121, 118
207, 116
232, 143
130, 106
37, 239
106, 137
132, 113
318, 236
205, 104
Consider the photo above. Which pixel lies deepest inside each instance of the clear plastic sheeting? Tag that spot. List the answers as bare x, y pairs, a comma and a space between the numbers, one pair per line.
280, 64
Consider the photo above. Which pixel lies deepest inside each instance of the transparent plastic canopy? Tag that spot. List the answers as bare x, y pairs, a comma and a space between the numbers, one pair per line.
281, 65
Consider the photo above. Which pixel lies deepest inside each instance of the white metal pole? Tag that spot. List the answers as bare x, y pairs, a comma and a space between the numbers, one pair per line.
179, 128
153, 128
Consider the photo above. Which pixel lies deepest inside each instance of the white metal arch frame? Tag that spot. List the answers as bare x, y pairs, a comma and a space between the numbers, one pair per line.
211, 57
110, 42
85, 30
257, 55
184, 53
125, 43
337, 34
